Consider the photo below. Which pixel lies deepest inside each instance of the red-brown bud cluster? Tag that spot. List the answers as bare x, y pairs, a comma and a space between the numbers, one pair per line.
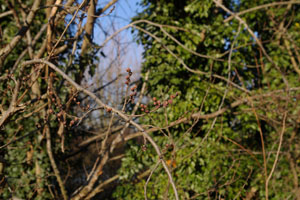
170, 100
174, 95
128, 70
156, 102
133, 94
60, 116
144, 108
84, 108
133, 88
72, 122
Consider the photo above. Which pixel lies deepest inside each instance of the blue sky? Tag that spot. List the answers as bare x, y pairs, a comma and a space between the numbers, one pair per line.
121, 16
119, 53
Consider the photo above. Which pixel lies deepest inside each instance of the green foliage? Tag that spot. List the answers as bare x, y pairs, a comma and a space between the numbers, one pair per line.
210, 162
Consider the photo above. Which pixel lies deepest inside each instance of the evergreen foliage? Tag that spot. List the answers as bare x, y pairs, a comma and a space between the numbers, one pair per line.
220, 157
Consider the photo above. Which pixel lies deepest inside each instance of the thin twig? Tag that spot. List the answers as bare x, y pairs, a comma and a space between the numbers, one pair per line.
262, 146
260, 7
277, 153
148, 179
53, 164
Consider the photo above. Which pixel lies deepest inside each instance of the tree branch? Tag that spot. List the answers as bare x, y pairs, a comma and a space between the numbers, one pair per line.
118, 112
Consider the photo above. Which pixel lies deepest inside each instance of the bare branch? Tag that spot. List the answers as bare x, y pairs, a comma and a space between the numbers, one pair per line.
261, 7
121, 114
277, 153
53, 164
10, 12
